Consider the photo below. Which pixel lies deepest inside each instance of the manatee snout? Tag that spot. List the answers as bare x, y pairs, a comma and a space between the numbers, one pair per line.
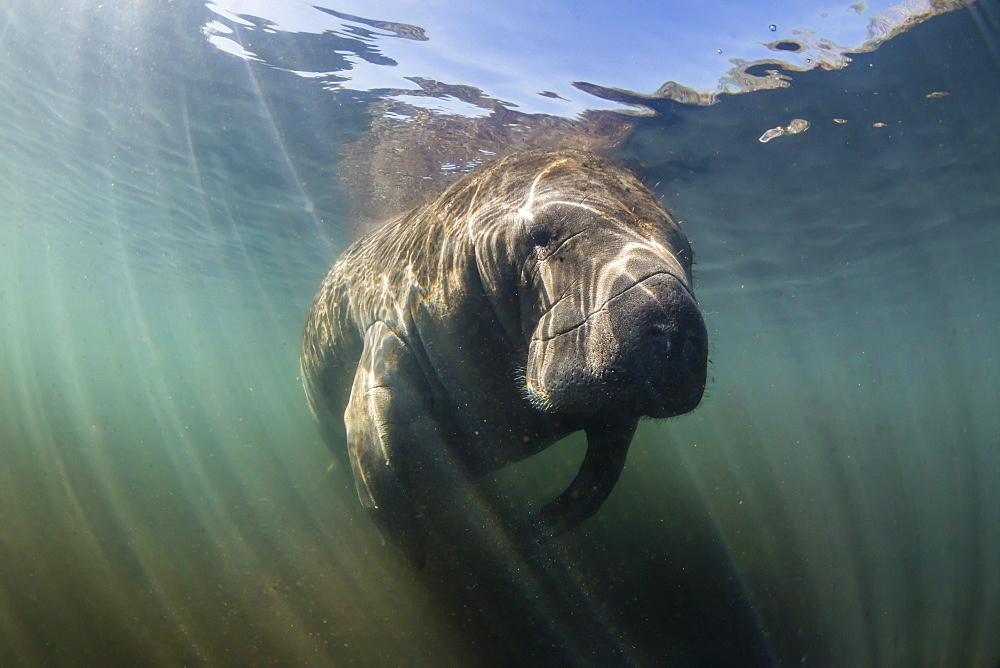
644, 353
663, 345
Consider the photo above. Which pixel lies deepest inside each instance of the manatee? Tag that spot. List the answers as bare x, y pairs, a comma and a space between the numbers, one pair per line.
542, 294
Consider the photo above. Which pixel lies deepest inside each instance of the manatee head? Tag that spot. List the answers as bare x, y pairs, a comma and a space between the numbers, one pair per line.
611, 320
607, 313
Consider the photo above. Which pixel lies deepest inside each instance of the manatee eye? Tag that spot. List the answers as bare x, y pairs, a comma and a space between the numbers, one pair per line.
539, 235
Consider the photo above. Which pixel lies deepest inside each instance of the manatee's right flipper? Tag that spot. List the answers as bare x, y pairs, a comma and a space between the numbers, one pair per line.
388, 427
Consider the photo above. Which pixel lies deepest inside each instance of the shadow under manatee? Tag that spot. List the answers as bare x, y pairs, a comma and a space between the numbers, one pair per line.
628, 587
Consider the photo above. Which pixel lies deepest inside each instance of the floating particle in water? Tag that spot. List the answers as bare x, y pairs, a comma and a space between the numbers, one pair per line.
796, 126
772, 27
936, 94
840, 120
771, 134
878, 125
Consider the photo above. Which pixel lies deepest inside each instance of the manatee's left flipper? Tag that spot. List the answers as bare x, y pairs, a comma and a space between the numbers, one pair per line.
388, 431
607, 448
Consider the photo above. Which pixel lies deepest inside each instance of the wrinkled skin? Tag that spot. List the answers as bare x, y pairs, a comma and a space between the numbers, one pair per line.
545, 293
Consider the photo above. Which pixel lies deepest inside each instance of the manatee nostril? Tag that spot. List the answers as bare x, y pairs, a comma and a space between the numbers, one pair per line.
694, 346
661, 337
666, 340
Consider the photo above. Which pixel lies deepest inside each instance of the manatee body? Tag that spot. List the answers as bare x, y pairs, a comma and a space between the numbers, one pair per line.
545, 293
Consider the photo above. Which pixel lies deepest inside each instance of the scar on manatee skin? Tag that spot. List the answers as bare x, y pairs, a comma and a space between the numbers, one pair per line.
796, 126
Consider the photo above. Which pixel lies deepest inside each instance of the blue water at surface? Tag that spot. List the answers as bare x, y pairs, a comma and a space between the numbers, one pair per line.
167, 210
